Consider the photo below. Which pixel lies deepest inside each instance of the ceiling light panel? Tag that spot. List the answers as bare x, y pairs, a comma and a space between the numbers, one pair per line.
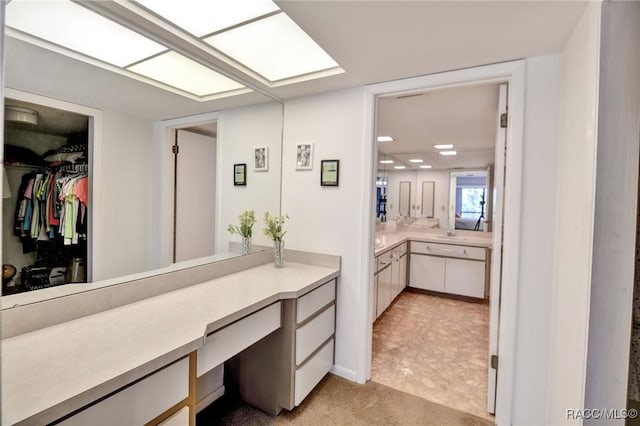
274, 47
385, 139
416, 160
443, 146
72, 26
386, 161
181, 72
204, 17
448, 153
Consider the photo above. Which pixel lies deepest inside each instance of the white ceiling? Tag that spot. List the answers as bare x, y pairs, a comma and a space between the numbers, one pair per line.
373, 41
466, 117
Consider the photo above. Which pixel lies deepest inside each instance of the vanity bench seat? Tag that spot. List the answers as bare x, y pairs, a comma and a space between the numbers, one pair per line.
57, 372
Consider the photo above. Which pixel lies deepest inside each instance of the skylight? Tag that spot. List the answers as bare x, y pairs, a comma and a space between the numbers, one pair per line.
172, 68
274, 47
71, 26
202, 18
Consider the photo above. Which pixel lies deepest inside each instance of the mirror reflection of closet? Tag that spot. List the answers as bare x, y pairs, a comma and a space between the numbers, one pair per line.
404, 200
428, 190
46, 197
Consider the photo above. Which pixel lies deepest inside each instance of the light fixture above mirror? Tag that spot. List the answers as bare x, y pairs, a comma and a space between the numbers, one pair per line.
199, 49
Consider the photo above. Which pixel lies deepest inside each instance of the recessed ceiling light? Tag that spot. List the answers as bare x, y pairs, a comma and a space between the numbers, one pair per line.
72, 26
416, 160
274, 47
179, 71
202, 18
399, 167
386, 161
448, 153
425, 167
443, 146
385, 139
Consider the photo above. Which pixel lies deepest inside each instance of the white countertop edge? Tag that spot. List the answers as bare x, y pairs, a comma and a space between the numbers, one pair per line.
105, 389
399, 238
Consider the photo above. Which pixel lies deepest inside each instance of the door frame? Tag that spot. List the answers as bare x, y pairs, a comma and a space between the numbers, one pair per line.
512, 73
163, 132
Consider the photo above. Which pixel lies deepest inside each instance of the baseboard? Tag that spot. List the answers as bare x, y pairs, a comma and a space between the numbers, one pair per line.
345, 373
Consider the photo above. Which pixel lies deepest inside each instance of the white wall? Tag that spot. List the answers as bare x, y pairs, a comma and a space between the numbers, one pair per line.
575, 196
239, 132
329, 219
122, 243
615, 212
543, 88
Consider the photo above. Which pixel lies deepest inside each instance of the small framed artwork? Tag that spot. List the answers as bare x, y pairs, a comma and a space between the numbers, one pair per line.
261, 156
239, 174
329, 172
304, 156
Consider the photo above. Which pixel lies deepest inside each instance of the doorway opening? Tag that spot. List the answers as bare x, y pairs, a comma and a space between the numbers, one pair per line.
48, 150
194, 172
468, 193
434, 330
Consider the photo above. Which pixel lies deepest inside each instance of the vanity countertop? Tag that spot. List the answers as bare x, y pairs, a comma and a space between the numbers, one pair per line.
390, 239
58, 369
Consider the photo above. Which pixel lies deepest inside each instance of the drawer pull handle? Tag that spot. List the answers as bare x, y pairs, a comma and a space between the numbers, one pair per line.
464, 251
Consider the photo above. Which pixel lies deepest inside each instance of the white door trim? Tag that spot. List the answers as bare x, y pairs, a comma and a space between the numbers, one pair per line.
512, 73
163, 197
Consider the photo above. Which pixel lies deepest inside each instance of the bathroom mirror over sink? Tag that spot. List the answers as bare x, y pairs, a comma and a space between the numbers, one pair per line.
436, 150
72, 117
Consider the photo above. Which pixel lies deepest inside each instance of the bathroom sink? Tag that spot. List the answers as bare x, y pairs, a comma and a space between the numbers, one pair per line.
451, 237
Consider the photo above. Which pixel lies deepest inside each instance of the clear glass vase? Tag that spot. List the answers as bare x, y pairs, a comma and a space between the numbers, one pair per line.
278, 253
246, 245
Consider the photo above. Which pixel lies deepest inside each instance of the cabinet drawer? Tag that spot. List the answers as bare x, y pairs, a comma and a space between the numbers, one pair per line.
448, 250
141, 402
403, 249
383, 260
314, 333
308, 376
181, 418
311, 302
231, 340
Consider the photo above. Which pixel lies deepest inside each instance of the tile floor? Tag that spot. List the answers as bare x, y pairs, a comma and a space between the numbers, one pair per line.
435, 348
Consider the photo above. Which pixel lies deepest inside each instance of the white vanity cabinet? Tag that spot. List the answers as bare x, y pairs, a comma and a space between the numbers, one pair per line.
390, 277
143, 401
280, 370
448, 268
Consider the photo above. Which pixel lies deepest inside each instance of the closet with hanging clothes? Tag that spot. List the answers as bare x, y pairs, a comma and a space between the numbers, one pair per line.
45, 197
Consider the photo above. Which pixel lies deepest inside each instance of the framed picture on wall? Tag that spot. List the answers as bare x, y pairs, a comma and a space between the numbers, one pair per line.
304, 156
239, 174
329, 172
261, 157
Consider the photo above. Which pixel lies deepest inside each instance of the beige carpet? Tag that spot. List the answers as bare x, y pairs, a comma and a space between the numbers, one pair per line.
336, 401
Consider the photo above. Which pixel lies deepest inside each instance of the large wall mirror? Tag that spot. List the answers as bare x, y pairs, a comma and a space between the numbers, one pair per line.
439, 145
147, 207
